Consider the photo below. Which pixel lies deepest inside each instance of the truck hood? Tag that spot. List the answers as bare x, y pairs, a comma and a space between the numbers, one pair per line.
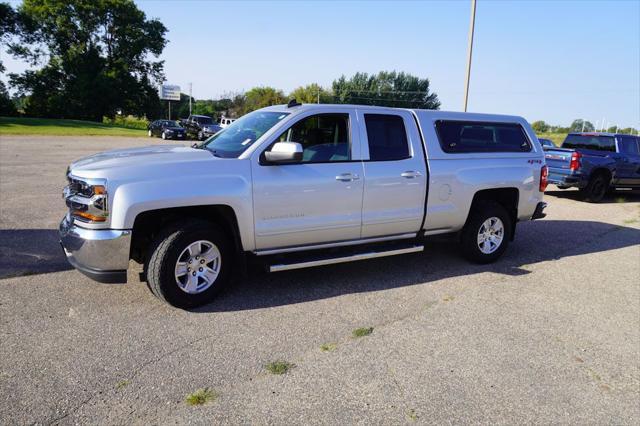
156, 155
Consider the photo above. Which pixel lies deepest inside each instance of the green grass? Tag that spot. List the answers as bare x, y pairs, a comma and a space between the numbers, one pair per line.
362, 331
557, 138
60, 127
279, 367
201, 396
630, 221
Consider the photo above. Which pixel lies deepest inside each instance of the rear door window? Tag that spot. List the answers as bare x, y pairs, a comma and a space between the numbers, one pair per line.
628, 145
594, 142
387, 137
476, 136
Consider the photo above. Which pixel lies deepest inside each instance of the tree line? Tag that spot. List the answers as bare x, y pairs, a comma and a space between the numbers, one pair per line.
98, 59
578, 125
389, 88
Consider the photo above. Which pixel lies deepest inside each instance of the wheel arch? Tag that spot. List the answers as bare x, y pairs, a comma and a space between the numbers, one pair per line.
606, 172
148, 223
508, 198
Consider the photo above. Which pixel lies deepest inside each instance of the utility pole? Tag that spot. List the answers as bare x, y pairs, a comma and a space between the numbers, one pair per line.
318, 94
469, 53
190, 87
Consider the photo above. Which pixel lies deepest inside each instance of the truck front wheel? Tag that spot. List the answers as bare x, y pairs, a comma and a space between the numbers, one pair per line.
189, 264
487, 232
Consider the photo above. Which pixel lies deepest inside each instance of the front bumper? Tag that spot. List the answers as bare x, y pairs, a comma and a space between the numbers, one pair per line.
180, 135
100, 254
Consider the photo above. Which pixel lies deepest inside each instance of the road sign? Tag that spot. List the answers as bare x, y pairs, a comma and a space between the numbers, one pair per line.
169, 92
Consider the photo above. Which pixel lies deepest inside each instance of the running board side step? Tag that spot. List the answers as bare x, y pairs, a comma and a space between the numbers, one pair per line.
344, 259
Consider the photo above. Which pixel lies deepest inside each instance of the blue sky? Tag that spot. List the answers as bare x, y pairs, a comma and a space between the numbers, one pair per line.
550, 60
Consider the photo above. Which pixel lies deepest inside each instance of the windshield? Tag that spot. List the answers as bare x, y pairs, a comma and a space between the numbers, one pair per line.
171, 124
203, 120
595, 142
242, 133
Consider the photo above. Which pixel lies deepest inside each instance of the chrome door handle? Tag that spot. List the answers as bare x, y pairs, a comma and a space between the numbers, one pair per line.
410, 174
347, 177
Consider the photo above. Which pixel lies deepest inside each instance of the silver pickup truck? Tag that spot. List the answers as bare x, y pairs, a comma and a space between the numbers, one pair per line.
295, 186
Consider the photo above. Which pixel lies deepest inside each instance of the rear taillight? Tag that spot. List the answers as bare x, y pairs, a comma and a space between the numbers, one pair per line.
544, 178
575, 161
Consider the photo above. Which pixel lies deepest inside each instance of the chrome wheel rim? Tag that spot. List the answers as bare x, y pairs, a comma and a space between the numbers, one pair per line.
149, 132
198, 267
490, 235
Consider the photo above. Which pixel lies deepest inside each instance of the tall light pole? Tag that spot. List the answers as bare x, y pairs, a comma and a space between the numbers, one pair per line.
190, 87
469, 53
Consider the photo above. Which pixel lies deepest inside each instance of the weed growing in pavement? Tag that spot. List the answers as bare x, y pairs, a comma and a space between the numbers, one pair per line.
122, 383
201, 396
362, 331
279, 367
328, 347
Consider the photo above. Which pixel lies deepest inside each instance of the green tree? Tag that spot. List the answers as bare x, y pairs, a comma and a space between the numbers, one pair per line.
260, 97
7, 107
392, 89
8, 27
311, 94
540, 126
628, 131
580, 124
97, 55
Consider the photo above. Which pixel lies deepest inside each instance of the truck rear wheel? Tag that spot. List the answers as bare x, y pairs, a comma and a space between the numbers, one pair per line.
189, 264
487, 232
596, 189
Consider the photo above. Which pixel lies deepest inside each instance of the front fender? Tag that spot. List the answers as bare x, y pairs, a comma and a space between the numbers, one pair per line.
131, 199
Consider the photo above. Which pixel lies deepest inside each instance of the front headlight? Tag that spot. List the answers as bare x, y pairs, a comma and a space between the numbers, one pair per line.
87, 199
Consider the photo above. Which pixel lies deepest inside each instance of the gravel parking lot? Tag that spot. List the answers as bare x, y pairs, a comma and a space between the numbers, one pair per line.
549, 334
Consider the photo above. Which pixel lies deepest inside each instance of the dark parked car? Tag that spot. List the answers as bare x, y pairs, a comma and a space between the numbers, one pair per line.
167, 129
200, 126
595, 163
546, 143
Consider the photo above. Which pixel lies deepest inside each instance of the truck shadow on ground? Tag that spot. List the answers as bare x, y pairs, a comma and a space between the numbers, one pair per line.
37, 251
30, 251
539, 241
615, 197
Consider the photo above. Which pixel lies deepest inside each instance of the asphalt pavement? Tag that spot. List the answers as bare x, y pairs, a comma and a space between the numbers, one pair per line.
548, 334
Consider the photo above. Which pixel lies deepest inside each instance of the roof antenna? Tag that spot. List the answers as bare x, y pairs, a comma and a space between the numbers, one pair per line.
293, 103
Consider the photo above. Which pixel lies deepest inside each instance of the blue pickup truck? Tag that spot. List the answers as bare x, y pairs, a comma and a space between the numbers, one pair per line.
595, 163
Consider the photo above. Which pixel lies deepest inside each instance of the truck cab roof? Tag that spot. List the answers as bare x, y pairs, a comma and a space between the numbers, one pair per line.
435, 114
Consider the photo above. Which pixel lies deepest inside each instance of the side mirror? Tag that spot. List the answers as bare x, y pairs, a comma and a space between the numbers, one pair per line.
284, 152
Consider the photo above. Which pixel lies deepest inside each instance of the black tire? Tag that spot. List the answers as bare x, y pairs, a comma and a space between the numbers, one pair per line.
163, 255
481, 212
200, 136
596, 189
